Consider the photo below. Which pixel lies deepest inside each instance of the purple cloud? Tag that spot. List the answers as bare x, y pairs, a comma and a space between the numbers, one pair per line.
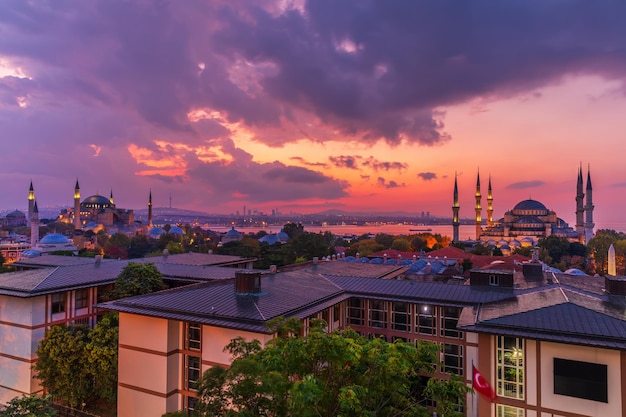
525, 184
427, 176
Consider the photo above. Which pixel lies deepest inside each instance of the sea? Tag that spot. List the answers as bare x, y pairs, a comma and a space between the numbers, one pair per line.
466, 231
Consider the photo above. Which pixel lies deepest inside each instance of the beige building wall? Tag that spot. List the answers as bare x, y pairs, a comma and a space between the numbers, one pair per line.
564, 405
151, 368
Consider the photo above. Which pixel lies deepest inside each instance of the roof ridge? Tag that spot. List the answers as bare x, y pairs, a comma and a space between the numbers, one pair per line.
55, 269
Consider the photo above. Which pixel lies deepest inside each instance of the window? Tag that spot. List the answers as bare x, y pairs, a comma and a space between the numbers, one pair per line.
510, 367
453, 359
494, 280
425, 321
401, 317
193, 336
581, 380
81, 298
192, 371
378, 314
192, 403
356, 311
58, 303
449, 320
508, 411
336, 312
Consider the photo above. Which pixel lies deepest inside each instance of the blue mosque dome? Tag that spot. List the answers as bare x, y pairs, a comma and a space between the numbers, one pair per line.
282, 236
54, 238
233, 233
530, 205
269, 239
96, 202
175, 230
156, 232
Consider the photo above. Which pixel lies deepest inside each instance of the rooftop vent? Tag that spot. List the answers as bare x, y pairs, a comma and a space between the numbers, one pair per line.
615, 285
247, 282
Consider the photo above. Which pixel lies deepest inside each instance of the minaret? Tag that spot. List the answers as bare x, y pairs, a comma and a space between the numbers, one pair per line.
455, 212
612, 270
77, 223
580, 210
588, 210
34, 225
479, 220
31, 202
489, 205
150, 210
111, 199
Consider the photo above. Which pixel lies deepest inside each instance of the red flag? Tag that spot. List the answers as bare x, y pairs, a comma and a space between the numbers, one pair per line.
481, 385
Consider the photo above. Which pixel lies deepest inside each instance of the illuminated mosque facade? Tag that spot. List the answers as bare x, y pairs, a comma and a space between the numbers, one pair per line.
530, 220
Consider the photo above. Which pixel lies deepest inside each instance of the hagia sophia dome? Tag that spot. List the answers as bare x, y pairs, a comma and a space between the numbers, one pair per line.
96, 202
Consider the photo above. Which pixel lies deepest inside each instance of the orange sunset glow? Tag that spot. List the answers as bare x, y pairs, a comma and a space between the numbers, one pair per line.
312, 106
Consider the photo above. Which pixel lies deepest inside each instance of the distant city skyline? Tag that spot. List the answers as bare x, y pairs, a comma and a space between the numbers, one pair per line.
305, 106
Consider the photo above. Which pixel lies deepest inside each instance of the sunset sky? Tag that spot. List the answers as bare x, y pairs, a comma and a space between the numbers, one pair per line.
368, 106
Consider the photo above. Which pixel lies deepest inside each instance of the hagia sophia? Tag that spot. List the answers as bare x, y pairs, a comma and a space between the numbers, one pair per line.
529, 221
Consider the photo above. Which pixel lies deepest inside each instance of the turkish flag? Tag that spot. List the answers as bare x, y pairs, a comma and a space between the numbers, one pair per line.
481, 385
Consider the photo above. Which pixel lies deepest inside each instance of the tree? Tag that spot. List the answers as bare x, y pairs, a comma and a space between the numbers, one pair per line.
138, 279
598, 247
319, 374
384, 239
78, 365
61, 367
555, 247
293, 230
28, 406
101, 357
401, 245
139, 247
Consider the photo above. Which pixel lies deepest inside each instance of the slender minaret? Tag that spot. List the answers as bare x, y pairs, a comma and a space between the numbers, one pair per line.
479, 210
455, 212
34, 225
489, 205
31, 202
612, 269
77, 223
588, 210
111, 199
150, 210
580, 209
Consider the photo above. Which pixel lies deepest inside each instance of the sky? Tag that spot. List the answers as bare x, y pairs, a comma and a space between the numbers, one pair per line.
306, 106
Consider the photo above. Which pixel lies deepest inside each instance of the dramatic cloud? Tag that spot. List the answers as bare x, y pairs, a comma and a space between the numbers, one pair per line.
139, 92
344, 161
525, 184
427, 176
388, 184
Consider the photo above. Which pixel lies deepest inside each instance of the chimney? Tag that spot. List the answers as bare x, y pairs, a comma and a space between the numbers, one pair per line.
247, 282
615, 285
272, 269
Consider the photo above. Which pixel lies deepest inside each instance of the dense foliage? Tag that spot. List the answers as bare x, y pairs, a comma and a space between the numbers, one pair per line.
28, 406
322, 374
137, 279
79, 366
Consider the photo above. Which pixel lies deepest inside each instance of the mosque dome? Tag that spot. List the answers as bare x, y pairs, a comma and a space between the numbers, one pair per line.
156, 232
96, 202
269, 239
529, 205
175, 230
15, 214
282, 236
54, 239
233, 233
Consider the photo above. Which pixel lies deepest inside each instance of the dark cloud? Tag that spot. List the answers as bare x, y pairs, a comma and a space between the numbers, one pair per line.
381, 182
242, 178
427, 176
345, 161
384, 166
525, 184
303, 161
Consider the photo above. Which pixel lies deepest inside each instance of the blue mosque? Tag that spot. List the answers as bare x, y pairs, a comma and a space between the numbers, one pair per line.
530, 220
